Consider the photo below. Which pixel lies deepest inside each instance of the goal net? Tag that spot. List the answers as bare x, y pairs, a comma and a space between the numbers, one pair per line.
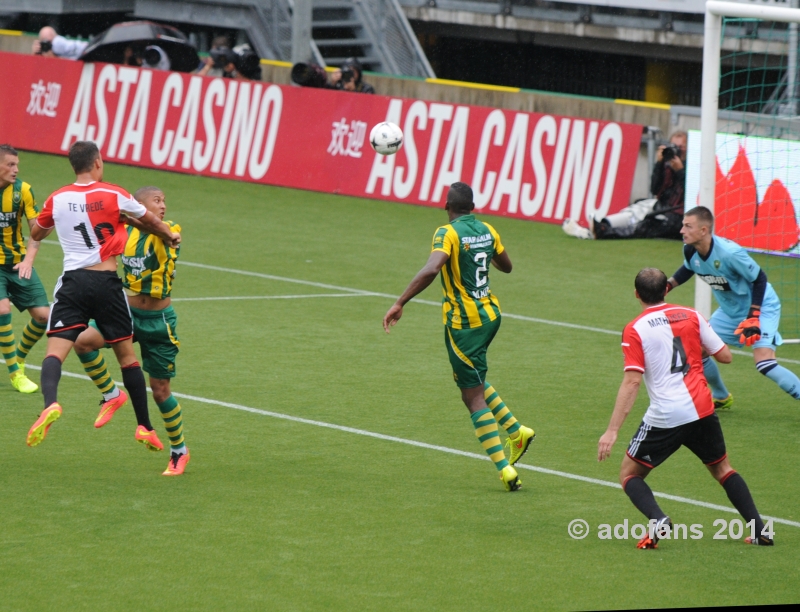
749, 142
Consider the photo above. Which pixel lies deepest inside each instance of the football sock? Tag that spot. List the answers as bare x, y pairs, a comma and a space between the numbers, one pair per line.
500, 411
51, 374
487, 432
30, 336
8, 345
714, 378
642, 497
740, 497
133, 379
786, 379
95, 367
173, 421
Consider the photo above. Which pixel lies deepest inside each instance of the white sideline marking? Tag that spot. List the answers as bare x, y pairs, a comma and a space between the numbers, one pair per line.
506, 315
441, 449
267, 297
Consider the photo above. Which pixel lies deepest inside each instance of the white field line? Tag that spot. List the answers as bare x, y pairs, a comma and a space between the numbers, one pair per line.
506, 315
268, 297
441, 449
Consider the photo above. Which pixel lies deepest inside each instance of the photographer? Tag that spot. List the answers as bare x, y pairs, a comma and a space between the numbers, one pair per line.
50, 44
348, 77
241, 62
657, 217
220, 61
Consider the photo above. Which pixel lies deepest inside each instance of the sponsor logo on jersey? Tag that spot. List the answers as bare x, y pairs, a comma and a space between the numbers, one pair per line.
476, 242
8, 219
481, 293
718, 283
136, 264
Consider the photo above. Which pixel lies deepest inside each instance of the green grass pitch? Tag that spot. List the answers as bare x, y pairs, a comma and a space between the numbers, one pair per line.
275, 514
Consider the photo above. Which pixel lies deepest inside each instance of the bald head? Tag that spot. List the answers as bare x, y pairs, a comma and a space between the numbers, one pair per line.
47, 34
651, 285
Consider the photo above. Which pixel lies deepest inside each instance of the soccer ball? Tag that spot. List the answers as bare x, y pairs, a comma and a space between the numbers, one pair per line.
386, 138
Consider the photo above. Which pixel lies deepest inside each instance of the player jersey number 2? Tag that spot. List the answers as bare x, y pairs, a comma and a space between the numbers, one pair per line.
679, 362
103, 231
480, 273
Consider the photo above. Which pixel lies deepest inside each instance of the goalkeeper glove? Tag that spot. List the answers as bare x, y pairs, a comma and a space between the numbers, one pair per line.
750, 328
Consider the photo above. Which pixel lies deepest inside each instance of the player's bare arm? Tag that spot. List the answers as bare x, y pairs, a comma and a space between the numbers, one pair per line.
39, 233
626, 396
25, 267
417, 285
502, 262
151, 224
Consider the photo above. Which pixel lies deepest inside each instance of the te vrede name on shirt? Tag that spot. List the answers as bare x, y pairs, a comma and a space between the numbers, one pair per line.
87, 207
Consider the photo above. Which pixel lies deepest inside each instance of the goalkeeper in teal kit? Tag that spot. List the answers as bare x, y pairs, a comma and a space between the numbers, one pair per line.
749, 309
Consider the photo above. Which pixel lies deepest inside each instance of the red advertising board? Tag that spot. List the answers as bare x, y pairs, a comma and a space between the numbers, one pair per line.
524, 165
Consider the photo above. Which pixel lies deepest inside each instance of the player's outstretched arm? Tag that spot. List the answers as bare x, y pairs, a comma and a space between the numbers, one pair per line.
626, 396
417, 285
153, 225
502, 262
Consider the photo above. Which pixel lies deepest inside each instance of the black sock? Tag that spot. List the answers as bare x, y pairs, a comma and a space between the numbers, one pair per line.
51, 374
740, 497
642, 497
133, 379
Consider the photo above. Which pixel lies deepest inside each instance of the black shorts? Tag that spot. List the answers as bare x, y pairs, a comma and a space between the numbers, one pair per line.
652, 446
81, 295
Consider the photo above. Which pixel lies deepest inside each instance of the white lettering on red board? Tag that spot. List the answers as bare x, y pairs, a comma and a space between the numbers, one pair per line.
242, 142
581, 156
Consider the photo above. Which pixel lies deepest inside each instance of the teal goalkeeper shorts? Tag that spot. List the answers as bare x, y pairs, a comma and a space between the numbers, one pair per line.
466, 349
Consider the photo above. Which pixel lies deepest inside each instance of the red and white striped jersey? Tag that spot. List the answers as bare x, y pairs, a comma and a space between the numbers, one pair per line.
665, 343
87, 221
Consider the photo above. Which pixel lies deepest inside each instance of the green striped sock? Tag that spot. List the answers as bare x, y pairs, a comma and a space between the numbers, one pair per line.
30, 335
95, 367
8, 346
489, 437
173, 421
500, 411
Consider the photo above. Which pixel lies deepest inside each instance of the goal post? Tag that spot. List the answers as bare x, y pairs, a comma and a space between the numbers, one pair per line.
758, 52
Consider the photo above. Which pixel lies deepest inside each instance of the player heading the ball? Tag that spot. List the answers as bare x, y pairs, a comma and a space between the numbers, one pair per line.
88, 219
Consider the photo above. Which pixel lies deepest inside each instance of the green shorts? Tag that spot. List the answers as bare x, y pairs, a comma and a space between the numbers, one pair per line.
156, 333
467, 351
24, 293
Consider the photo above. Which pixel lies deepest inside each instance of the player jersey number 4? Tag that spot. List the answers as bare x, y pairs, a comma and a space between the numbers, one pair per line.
87, 221
666, 343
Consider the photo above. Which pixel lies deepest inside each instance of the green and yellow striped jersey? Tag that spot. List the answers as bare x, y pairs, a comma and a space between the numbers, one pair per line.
149, 264
470, 245
17, 202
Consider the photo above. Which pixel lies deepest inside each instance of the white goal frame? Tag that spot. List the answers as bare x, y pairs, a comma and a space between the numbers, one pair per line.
712, 41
